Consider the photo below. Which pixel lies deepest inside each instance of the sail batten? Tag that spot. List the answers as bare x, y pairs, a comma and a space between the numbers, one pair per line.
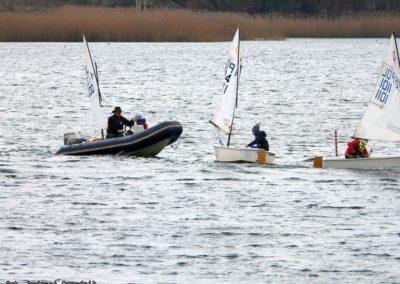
381, 120
93, 87
224, 114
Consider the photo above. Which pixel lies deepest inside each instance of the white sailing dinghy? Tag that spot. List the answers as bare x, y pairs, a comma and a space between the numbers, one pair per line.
381, 120
225, 113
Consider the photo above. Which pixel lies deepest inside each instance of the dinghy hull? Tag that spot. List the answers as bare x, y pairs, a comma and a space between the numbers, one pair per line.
249, 155
367, 163
146, 143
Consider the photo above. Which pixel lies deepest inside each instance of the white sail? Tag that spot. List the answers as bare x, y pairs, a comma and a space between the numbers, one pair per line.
381, 120
93, 87
223, 117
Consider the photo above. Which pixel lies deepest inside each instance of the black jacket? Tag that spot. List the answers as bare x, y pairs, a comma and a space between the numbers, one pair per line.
117, 123
260, 141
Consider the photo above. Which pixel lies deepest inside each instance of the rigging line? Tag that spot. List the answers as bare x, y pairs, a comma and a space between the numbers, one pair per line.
219, 138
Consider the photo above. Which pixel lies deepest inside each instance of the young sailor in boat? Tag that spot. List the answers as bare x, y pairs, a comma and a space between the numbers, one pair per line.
116, 122
357, 148
260, 140
140, 120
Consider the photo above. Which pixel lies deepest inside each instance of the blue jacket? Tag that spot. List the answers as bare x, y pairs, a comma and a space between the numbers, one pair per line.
141, 121
260, 141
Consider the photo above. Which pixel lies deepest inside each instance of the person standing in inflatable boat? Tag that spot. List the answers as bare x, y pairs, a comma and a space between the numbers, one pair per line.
116, 122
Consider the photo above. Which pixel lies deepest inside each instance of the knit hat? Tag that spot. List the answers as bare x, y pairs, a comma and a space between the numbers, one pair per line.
138, 116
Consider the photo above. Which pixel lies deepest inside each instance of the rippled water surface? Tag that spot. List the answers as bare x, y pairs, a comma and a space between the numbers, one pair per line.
182, 217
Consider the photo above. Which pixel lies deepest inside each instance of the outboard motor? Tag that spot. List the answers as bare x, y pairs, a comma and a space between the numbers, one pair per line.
72, 138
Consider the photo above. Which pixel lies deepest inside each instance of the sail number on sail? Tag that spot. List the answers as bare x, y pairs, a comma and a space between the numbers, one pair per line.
89, 79
388, 79
230, 68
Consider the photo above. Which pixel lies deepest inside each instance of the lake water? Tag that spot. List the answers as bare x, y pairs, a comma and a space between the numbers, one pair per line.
181, 217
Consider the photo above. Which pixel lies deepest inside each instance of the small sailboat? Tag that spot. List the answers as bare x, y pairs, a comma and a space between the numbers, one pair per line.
381, 120
138, 141
225, 113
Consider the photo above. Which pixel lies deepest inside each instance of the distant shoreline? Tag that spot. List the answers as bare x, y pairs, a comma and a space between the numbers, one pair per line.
67, 24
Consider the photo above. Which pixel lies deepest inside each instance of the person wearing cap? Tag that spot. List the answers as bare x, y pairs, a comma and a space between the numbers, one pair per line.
140, 120
260, 140
357, 148
116, 122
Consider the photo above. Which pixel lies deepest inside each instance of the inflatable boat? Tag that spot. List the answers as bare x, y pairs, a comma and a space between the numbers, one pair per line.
145, 143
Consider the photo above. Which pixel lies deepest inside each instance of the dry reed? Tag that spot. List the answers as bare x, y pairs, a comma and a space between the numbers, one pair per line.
118, 24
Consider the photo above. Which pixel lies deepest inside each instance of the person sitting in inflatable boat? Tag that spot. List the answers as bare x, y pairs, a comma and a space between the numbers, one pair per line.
116, 122
140, 120
260, 140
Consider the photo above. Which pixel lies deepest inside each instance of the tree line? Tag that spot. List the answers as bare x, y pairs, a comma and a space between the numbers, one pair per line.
302, 7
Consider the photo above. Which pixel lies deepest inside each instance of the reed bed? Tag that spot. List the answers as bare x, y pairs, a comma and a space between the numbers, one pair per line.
119, 24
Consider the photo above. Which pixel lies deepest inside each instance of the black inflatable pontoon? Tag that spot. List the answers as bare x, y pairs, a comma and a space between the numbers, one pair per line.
146, 143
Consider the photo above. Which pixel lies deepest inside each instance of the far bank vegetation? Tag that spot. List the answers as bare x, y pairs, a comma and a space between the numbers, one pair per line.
129, 24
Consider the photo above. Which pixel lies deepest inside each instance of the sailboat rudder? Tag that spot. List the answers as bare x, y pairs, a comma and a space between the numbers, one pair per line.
262, 157
318, 163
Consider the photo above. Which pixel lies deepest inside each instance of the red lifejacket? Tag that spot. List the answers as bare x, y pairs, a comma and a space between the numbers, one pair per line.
353, 149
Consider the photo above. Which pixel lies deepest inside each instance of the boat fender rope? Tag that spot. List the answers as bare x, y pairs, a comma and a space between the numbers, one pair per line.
178, 142
371, 149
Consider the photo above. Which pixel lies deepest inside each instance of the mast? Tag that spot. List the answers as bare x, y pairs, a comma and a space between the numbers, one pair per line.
100, 98
397, 49
98, 84
94, 67
237, 87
